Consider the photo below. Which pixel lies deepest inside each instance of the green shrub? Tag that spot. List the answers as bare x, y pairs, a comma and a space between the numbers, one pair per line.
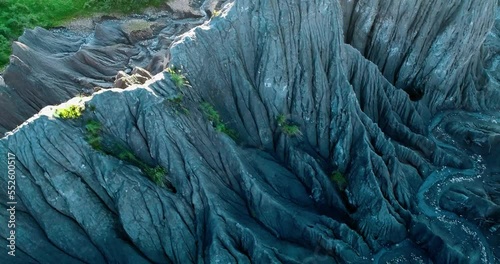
93, 135
291, 130
281, 119
128, 156
123, 6
70, 112
287, 127
93, 127
5, 50
177, 77
95, 142
214, 117
156, 174
339, 179
94, 138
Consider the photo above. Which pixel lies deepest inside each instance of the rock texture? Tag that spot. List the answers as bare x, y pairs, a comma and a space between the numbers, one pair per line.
50, 67
434, 50
366, 97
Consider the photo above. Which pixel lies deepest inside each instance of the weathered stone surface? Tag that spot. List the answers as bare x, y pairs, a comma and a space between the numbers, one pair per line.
50, 67
434, 50
137, 30
139, 76
266, 196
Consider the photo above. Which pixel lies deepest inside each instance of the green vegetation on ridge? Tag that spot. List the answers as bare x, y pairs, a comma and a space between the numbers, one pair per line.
214, 118
93, 136
17, 15
95, 139
339, 179
287, 127
177, 77
69, 112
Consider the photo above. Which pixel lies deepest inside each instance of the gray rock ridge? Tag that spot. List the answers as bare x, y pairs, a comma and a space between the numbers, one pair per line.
395, 42
85, 60
265, 197
435, 50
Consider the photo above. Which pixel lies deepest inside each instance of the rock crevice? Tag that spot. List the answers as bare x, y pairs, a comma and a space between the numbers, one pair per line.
334, 157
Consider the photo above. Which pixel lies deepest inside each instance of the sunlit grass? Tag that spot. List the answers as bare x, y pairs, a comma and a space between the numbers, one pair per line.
17, 15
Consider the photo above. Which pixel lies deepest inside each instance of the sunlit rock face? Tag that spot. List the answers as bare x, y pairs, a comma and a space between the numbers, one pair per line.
50, 67
309, 132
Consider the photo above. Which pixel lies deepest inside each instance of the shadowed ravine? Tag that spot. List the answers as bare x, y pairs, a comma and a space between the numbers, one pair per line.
283, 132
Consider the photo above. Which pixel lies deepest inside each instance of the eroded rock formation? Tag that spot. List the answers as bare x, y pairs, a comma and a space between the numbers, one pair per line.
50, 67
302, 90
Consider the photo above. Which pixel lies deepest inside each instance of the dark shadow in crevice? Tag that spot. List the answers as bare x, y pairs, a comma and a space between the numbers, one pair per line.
415, 93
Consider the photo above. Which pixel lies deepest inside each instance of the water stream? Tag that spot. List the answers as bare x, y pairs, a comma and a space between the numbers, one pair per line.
475, 136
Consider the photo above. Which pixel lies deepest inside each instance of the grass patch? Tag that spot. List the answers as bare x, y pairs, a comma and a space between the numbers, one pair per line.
156, 174
287, 127
177, 77
69, 112
17, 15
214, 117
216, 13
339, 179
94, 138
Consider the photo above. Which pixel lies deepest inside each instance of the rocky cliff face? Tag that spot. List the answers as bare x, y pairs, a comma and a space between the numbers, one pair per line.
309, 132
50, 67
434, 50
